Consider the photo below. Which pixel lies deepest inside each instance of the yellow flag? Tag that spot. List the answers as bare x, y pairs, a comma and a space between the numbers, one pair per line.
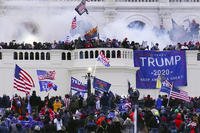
158, 82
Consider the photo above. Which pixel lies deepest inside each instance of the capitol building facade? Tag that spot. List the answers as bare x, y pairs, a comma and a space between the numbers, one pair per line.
67, 64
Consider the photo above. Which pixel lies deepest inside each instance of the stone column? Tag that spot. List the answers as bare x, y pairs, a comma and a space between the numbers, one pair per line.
2, 8
109, 15
165, 19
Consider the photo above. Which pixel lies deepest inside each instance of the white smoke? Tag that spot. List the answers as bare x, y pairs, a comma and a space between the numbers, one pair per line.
119, 30
50, 26
55, 25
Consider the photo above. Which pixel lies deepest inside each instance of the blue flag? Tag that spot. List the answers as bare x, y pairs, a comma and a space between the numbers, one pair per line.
46, 80
101, 85
166, 87
47, 85
78, 85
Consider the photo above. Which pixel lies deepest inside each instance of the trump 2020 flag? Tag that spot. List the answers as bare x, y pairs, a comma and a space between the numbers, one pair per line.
22, 80
46, 80
102, 58
166, 87
78, 85
101, 85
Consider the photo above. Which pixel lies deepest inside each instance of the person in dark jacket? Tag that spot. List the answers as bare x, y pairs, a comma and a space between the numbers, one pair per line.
34, 101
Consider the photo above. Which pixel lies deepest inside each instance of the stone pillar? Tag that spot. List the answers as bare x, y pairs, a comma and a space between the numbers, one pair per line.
165, 19
2, 8
109, 15
163, 1
109, 12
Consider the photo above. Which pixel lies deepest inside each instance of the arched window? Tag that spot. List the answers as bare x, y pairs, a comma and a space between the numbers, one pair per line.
118, 54
75, 55
103, 52
113, 54
198, 56
96, 54
26, 56
122, 54
137, 24
20, 56
63, 56
81, 55
108, 53
15, 56
91, 54
125, 54
36, 56
42, 56
31, 56
130, 55
48, 56
69, 57
86, 54
0, 56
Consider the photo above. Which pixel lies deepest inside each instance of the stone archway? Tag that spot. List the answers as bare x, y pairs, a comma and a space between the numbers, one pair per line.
139, 20
136, 24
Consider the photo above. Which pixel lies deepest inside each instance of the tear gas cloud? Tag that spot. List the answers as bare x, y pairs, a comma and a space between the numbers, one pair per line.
47, 26
120, 30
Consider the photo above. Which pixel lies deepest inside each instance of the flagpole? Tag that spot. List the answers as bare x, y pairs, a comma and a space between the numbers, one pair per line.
95, 66
70, 92
169, 95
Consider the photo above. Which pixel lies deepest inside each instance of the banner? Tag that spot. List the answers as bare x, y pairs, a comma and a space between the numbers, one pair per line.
81, 8
170, 64
101, 85
103, 59
78, 85
46, 80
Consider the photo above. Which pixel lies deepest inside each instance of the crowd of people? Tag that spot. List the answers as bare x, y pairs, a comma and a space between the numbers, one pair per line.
98, 43
99, 113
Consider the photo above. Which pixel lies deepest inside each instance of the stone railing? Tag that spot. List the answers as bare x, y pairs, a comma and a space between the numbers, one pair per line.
133, 1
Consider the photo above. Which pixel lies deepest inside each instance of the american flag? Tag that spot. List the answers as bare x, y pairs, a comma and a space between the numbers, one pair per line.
179, 94
74, 24
22, 80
